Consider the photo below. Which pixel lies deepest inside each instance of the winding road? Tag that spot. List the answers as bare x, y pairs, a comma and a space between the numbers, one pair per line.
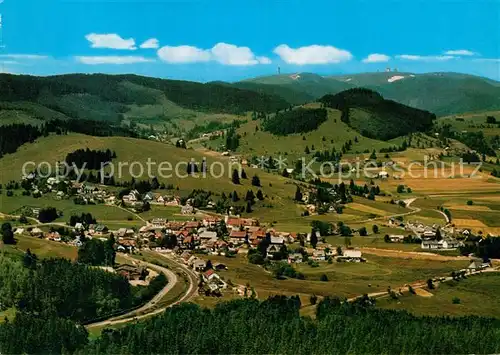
150, 307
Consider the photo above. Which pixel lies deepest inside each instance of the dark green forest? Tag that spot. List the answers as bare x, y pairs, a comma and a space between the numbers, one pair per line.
385, 119
294, 121
275, 327
236, 327
14, 135
60, 294
111, 89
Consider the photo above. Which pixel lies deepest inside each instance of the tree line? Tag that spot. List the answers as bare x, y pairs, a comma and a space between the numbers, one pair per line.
14, 135
275, 326
295, 121
90, 159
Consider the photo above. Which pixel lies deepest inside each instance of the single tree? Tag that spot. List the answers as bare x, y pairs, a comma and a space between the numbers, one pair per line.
314, 238
298, 194
7, 234
236, 177
255, 181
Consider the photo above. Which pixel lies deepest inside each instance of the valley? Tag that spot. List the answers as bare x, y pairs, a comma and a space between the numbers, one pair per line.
260, 188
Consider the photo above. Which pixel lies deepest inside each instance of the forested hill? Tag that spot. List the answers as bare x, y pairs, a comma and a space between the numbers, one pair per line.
375, 117
441, 93
112, 92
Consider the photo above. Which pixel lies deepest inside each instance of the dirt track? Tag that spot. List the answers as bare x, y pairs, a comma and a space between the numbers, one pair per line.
411, 254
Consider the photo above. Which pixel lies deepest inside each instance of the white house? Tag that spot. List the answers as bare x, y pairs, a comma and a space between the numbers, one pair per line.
350, 255
199, 265
396, 238
446, 243
318, 255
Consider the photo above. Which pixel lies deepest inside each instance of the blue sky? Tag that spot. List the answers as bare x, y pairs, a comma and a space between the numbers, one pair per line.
207, 40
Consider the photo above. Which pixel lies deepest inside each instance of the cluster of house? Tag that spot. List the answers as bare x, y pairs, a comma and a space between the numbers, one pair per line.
325, 252
64, 188
432, 237
212, 282
219, 133
134, 198
53, 236
90, 194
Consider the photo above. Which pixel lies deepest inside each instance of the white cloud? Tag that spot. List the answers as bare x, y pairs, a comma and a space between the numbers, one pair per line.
425, 58
264, 60
24, 56
111, 40
113, 60
464, 52
224, 53
230, 54
314, 54
151, 43
376, 58
183, 54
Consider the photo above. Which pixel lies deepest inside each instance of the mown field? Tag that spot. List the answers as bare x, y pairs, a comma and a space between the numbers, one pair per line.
473, 122
477, 295
41, 247
344, 279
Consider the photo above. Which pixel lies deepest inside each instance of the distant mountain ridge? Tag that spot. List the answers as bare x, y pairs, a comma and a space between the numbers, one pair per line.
104, 97
441, 93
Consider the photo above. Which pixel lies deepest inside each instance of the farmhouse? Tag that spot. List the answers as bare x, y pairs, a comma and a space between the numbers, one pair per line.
477, 265
318, 255
36, 232
211, 277
237, 237
131, 272
98, 229
272, 250
446, 243
207, 235
199, 265
396, 238
350, 255
187, 209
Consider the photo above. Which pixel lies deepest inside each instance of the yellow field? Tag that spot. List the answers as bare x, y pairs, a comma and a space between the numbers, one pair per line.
367, 209
469, 208
469, 223
445, 186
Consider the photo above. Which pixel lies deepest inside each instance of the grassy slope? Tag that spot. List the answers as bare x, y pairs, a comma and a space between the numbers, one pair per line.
345, 279
41, 247
278, 206
55, 148
473, 122
263, 143
478, 296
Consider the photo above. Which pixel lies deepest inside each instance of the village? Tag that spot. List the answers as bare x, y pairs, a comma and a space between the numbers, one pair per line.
200, 235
